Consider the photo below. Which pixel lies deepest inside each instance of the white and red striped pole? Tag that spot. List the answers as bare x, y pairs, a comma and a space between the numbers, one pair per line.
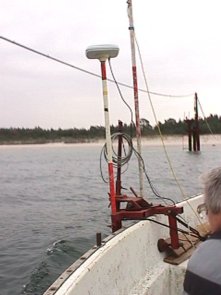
108, 137
104, 52
135, 86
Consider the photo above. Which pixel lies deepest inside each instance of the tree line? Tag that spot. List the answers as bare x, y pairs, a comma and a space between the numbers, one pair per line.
74, 135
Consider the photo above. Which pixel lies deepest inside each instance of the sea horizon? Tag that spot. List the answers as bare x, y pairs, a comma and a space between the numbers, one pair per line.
153, 140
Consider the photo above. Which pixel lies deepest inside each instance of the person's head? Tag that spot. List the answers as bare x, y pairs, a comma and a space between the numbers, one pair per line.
212, 195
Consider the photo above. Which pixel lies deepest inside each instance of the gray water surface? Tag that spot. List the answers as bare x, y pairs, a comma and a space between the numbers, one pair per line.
53, 201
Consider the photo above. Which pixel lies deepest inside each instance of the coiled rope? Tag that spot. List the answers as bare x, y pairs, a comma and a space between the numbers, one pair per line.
125, 158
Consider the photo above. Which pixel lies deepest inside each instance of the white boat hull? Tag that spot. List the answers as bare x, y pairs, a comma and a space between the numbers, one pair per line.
128, 262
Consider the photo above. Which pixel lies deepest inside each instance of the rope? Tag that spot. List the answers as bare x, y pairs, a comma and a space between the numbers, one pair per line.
156, 120
126, 158
205, 118
127, 153
81, 69
150, 182
120, 83
116, 160
120, 93
160, 133
178, 229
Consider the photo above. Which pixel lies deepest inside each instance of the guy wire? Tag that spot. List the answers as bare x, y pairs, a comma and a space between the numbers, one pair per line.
160, 133
81, 69
130, 144
201, 108
120, 93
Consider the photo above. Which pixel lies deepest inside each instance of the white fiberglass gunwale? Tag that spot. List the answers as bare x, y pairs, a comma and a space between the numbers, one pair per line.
128, 262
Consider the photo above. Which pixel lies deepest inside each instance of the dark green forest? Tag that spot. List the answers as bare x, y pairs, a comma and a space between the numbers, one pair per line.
94, 133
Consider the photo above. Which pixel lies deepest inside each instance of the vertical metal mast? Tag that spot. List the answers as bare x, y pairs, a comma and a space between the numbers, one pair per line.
135, 86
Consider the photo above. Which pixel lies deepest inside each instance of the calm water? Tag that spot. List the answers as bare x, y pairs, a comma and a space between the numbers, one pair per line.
53, 201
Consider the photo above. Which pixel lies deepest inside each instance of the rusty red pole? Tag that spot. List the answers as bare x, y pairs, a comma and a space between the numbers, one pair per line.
189, 128
197, 131
194, 139
119, 154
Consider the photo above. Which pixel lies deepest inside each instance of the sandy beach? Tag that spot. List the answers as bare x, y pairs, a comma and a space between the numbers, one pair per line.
176, 140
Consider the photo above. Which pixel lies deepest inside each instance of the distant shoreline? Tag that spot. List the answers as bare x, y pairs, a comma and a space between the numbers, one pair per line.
169, 140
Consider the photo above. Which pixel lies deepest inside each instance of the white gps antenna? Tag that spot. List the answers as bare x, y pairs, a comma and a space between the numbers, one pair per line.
102, 52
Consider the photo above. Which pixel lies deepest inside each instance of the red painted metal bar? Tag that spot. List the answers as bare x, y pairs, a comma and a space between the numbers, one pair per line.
119, 155
173, 232
138, 209
112, 190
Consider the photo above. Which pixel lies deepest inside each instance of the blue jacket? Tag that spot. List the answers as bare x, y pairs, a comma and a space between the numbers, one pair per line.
203, 275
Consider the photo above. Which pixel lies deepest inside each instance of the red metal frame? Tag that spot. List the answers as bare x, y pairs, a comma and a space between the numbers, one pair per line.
136, 208
139, 209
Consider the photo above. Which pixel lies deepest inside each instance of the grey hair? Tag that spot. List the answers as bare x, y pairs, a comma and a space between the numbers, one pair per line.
212, 190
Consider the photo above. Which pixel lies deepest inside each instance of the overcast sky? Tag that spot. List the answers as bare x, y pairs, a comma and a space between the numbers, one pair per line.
180, 43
